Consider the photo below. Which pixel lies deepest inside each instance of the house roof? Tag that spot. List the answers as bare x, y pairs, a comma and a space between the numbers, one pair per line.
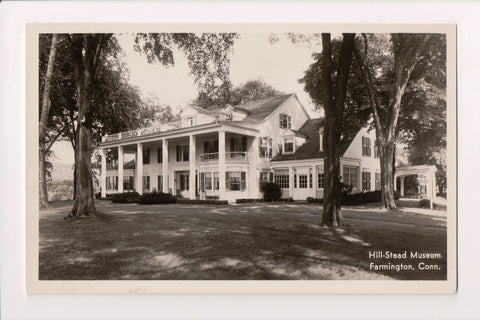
260, 109
255, 111
311, 148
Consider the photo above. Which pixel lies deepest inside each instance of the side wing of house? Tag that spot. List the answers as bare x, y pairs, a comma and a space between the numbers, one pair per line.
288, 117
361, 162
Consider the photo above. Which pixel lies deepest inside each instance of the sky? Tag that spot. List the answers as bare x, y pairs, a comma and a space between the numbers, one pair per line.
279, 65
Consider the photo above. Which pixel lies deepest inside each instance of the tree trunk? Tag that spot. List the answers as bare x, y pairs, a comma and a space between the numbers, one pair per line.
86, 50
387, 167
334, 106
43, 125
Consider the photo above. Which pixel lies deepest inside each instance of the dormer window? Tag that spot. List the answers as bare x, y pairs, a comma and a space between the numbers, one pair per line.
190, 121
229, 116
289, 144
285, 121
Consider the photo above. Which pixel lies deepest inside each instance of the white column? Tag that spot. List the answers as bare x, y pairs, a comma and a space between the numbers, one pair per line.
120, 169
103, 183
165, 165
193, 163
139, 168
253, 185
221, 164
290, 182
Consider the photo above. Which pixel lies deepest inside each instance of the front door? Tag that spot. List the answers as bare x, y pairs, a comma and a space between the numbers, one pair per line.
182, 183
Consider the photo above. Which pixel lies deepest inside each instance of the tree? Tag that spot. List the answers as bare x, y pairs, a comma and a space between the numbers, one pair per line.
45, 109
387, 81
208, 61
251, 90
333, 102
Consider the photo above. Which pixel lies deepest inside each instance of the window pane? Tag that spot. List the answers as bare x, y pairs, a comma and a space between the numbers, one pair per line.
282, 178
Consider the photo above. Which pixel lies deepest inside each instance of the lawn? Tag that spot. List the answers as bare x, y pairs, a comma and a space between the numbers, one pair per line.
248, 241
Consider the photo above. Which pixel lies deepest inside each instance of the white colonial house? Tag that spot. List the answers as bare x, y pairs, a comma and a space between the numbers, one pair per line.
226, 154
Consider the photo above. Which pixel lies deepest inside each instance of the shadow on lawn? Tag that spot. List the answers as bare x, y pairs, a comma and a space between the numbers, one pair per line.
256, 242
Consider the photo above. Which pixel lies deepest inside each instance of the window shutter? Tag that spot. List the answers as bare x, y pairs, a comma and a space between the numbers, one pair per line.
215, 146
232, 144
244, 144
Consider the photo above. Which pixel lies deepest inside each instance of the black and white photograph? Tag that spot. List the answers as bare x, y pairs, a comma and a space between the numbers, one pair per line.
284, 156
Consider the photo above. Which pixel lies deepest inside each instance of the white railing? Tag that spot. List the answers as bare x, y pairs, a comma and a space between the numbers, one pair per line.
237, 155
150, 130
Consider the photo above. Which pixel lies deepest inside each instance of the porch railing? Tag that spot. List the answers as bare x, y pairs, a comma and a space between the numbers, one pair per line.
161, 128
236, 155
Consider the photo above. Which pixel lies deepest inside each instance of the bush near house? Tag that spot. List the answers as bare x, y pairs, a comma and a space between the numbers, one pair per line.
156, 198
125, 197
271, 191
354, 199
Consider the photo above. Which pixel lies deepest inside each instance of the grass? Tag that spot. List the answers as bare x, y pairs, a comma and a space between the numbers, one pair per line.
255, 241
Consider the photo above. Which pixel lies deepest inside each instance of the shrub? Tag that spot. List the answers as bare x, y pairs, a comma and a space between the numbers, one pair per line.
364, 197
156, 198
424, 203
98, 195
271, 191
125, 197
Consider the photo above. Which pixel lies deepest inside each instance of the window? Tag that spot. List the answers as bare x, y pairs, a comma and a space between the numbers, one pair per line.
238, 147
321, 177
265, 147
378, 181
366, 150
190, 121
288, 144
285, 121
216, 181
235, 181
210, 146
375, 150
208, 180
302, 181
229, 116
350, 176
112, 183
128, 183
282, 178
160, 182
146, 183
310, 178
265, 176
146, 156
366, 181
160, 155
182, 153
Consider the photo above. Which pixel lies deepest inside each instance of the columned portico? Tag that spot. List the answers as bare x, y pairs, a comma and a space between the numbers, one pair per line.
103, 183
139, 168
221, 163
120, 169
192, 159
165, 165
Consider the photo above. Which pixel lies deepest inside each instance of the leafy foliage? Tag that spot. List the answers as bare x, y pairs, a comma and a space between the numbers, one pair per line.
156, 198
271, 191
356, 112
207, 55
251, 90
